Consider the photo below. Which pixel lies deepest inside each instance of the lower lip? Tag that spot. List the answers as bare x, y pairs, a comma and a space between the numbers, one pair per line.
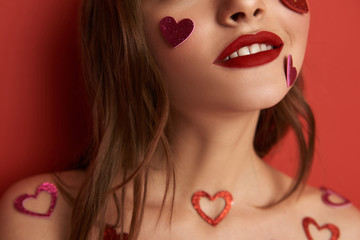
252, 60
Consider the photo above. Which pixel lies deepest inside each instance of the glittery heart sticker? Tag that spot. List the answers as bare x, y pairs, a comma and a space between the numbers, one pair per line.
326, 198
223, 194
300, 6
110, 234
334, 230
291, 72
44, 187
176, 33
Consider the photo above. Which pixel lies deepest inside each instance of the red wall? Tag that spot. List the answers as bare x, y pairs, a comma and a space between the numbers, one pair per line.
44, 118
43, 121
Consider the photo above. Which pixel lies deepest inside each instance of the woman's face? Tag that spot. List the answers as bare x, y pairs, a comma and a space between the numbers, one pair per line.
195, 82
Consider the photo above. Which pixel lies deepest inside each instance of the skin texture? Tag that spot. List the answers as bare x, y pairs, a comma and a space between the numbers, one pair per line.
215, 111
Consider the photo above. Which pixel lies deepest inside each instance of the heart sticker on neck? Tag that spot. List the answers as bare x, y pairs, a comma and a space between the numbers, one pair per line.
176, 33
44, 187
300, 6
326, 198
308, 221
222, 194
291, 72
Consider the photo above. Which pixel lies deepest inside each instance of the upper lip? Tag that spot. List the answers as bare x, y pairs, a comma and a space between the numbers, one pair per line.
266, 37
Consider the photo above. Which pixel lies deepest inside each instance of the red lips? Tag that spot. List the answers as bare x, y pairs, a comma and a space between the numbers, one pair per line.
251, 60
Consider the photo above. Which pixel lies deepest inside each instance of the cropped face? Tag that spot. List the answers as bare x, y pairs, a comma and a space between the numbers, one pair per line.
218, 67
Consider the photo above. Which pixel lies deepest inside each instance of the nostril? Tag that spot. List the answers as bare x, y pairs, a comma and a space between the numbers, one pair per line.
236, 16
256, 12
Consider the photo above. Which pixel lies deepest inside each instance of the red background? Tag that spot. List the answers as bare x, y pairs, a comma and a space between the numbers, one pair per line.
44, 117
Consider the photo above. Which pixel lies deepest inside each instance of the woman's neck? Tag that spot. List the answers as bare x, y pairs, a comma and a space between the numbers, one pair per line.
214, 154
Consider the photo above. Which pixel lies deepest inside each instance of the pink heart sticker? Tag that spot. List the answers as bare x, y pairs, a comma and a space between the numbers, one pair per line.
326, 198
291, 72
44, 187
176, 33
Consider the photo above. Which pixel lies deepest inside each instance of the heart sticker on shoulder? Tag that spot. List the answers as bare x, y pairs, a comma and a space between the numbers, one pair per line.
329, 197
176, 33
44, 187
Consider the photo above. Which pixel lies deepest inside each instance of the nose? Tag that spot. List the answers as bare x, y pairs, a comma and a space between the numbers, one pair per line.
232, 12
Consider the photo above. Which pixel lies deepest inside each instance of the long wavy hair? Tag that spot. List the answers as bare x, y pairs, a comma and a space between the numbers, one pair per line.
130, 116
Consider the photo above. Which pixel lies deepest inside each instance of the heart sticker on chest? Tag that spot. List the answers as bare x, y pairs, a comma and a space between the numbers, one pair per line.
222, 194
176, 33
300, 6
44, 187
111, 234
334, 230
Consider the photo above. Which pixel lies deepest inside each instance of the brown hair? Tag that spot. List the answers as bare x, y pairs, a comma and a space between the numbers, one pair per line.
131, 113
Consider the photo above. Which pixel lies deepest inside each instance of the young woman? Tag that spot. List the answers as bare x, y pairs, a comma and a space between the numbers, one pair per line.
188, 96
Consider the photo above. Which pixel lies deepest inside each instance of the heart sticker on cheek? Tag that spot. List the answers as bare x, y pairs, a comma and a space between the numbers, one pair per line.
331, 228
291, 72
300, 6
44, 187
176, 33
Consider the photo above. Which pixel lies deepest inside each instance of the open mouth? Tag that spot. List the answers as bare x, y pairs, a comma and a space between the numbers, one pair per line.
251, 50
248, 50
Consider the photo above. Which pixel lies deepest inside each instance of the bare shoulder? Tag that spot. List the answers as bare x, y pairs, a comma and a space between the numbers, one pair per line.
326, 206
35, 208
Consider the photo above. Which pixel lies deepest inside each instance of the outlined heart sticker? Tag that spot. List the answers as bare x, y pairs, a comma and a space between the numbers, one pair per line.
176, 33
222, 194
334, 230
326, 198
44, 187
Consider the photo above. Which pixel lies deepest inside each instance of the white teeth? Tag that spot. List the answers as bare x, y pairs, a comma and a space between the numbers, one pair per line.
234, 55
244, 51
247, 50
263, 47
255, 48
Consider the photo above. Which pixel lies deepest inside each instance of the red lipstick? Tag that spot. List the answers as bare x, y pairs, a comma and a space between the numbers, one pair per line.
251, 60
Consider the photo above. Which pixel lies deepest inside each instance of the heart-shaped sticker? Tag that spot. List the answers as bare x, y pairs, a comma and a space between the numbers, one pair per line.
222, 194
176, 33
110, 234
291, 72
44, 187
300, 6
326, 198
334, 230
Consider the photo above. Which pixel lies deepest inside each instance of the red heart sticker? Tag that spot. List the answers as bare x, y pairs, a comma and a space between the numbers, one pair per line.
44, 187
176, 33
222, 194
291, 72
110, 234
335, 232
300, 6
